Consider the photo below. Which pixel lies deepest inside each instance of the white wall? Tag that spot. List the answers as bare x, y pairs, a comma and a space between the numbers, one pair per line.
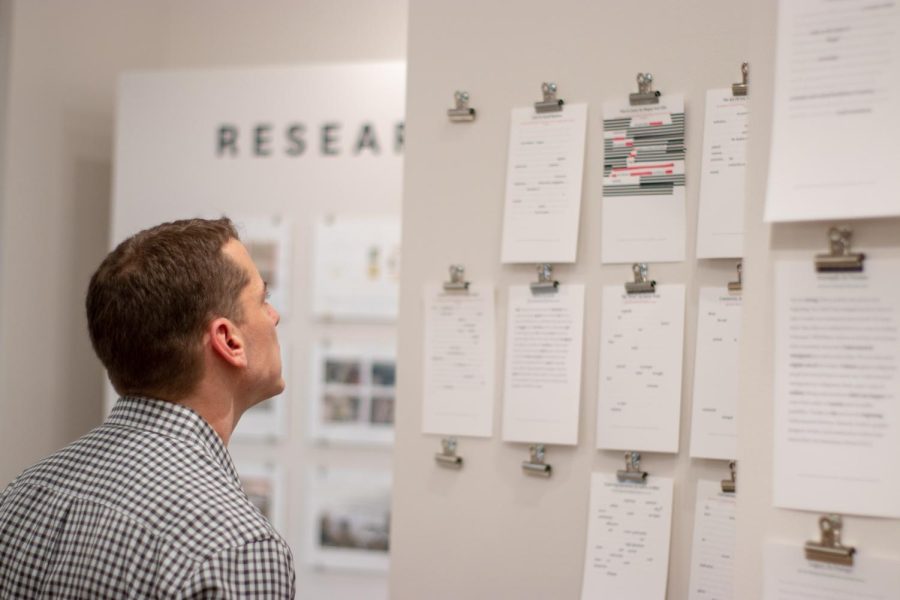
487, 531
64, 61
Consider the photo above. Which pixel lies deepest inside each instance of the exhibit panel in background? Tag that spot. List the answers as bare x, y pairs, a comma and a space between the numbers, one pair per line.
307, 161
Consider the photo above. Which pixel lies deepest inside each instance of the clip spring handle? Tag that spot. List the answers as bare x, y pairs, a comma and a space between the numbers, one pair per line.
550, 102
447, 456
535, 465
461, 112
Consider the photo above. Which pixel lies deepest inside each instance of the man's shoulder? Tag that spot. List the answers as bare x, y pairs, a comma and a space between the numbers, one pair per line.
172, 489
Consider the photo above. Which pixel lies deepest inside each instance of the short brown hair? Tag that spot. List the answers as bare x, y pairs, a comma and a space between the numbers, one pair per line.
152, 297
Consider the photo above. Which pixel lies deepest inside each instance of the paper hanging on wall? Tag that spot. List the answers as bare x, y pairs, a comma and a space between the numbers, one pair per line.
263, 483
789, 576
353, 392
542, 388
643, 182
543, 185
716, 368
712, 553
629, 526
348, 519
356, 268
268, 241
837, 388
834, 129
720, 224
639, 396
459, 361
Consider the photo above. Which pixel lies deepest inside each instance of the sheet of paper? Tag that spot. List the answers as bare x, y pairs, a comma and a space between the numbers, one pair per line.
720, 224
716, 367
348, 517
268, 241
542, 388
639, 397
834, 145
263, 482
543, 185
643, 182
789, 576
459, 361
356, 268
712, 554
629, 526
353, 392
837, 388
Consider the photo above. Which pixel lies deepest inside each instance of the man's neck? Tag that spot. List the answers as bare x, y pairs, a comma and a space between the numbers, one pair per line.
217, 409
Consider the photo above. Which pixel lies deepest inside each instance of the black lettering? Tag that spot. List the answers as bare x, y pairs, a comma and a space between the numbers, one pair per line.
262, 140
227, 140
399, 137
367, 139
329, 141
295, 139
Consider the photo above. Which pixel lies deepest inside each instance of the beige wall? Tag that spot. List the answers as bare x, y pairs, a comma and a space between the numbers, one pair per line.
63, 64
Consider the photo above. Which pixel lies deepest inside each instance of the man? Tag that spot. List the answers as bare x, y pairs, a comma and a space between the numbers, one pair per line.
149, 504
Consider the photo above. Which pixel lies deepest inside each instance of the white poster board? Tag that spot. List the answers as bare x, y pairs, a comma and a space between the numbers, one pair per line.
274, 148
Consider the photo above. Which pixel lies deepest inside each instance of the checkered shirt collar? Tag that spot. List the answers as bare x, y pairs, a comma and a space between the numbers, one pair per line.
171, 420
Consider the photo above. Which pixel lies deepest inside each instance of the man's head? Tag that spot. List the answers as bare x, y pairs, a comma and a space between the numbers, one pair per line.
166, 296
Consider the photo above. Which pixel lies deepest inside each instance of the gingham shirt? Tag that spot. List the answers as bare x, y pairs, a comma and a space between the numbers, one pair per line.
148, 505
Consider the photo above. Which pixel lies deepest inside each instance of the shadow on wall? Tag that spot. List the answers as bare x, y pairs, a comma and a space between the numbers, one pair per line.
87, 197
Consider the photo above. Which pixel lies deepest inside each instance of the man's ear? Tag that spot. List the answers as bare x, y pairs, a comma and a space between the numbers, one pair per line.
227, 343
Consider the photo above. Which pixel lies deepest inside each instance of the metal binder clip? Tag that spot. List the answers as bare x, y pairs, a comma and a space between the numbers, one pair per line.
740, 89
729, 486
830, 549
457, 281
550, 103
632, 470
545, 283
447, 457
839, 257
536, 465
737, 286
645, 94
461, 112
641, 284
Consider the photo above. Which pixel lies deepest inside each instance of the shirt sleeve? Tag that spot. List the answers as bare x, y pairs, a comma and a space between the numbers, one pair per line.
259, 569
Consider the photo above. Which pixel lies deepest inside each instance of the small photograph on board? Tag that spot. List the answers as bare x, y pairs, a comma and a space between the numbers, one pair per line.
343, 372
340, 408
268, 241
356, 267
349, 517
263, 483
267, 420
353, 391
383, 373
382, 410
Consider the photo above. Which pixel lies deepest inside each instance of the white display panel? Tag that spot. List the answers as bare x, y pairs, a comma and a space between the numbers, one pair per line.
357, 267
353, 393
348, 519
275, 149
264, 484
